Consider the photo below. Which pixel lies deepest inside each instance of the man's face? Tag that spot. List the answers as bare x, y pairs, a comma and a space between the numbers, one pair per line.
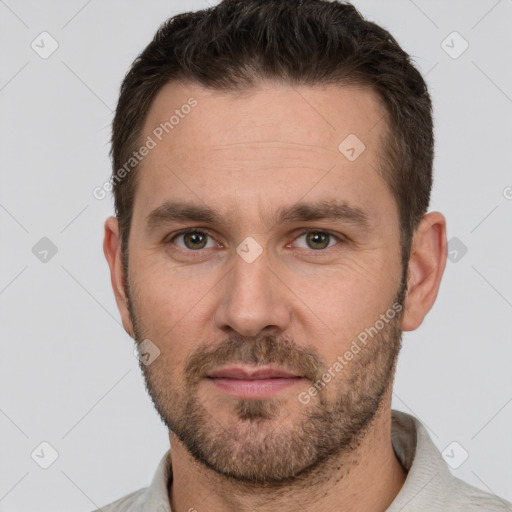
252, 288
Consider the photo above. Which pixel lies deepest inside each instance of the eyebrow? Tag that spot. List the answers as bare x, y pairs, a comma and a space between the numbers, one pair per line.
175, 211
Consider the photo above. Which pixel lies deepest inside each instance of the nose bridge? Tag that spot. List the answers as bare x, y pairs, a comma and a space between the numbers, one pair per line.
253, 298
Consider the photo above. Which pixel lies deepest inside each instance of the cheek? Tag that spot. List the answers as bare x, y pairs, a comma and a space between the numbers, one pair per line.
355, 290
166, 293
170, 307
347, 300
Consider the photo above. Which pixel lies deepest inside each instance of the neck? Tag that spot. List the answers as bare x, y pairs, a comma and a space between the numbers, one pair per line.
367, 479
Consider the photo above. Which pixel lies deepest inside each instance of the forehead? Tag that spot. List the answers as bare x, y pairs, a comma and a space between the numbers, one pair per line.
318, 116
271, 140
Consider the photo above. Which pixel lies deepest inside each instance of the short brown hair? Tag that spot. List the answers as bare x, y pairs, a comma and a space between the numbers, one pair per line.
237, 43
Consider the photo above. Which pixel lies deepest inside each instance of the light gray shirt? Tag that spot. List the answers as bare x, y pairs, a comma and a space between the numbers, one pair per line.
429, 485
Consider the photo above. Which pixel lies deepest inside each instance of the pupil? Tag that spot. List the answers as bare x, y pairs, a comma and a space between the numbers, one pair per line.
317, 238
195, 239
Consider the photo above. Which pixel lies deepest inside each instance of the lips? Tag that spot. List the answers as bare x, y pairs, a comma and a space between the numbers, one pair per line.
252, 383
254, 374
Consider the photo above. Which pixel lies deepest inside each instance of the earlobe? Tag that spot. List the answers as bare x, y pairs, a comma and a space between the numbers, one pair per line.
426, 266
112, 251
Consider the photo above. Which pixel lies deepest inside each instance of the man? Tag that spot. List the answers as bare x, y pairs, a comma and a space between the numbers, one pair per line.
272, 173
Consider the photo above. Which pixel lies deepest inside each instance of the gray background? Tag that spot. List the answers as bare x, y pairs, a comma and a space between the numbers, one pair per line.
68, 375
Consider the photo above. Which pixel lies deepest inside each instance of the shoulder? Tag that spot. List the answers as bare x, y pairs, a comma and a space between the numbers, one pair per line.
430, 485
132, 502
154, 498
459, 495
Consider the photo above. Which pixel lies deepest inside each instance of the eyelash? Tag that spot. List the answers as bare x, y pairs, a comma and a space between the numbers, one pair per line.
340, 238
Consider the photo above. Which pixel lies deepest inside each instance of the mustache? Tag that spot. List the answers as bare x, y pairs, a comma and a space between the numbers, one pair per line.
267, 350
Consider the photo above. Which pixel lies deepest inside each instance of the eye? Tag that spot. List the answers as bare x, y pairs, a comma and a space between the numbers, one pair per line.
193, 240
318, 240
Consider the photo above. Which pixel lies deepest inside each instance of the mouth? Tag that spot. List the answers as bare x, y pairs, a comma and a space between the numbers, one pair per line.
251, 382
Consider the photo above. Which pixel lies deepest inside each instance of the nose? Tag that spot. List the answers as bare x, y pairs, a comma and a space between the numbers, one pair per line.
253, 299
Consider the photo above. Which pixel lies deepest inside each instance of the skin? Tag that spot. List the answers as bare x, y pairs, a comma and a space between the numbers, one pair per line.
245, 155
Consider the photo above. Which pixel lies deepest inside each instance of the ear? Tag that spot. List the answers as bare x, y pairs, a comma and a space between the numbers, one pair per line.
112, 251
426, 266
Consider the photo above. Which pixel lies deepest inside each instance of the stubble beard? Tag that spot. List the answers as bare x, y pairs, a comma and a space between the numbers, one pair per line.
255, 449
